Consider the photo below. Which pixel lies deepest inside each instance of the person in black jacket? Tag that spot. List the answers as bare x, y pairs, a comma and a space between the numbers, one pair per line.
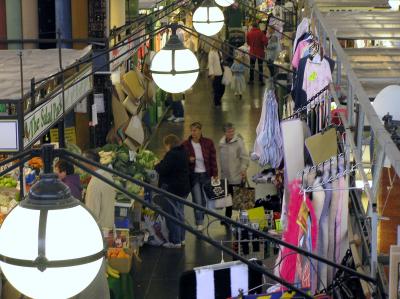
173, 173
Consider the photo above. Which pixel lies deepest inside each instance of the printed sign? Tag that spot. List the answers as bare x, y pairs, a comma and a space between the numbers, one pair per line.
47, 114
9, 136
69, 134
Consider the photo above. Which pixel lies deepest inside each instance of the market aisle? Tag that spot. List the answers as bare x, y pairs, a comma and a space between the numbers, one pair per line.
158, 274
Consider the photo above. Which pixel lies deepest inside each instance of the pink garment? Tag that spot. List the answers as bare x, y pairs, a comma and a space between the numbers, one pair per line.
293, 234
316, 77
301, 50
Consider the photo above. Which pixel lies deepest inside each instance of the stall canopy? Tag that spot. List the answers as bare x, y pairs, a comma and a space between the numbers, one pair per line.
38, 64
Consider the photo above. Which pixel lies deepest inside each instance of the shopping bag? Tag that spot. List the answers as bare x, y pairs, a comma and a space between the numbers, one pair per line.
227, 76
215, 189
243, 197
221, 202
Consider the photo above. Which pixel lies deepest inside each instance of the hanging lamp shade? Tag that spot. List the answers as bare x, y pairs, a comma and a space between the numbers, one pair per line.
174, 68
50, 245
224, 3
208, 19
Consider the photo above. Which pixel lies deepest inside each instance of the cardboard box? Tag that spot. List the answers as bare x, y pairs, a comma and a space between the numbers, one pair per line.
123, 265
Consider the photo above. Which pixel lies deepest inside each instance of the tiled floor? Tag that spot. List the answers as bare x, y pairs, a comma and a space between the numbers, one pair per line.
158, 274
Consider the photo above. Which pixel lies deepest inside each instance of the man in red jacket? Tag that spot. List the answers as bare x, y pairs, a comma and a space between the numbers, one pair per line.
203, 167
257, 41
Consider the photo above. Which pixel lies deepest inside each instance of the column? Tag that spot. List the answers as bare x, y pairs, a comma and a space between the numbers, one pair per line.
64, 20
14, 22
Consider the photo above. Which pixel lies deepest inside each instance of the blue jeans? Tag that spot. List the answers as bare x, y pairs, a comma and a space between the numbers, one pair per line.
177, 109
176, 232
198, 196
175, 209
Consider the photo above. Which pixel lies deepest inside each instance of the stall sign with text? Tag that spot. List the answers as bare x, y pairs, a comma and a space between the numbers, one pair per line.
47, 114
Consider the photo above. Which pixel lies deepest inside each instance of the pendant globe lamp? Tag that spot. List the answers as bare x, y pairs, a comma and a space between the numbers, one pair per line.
51, 247
224, 3
208, 19
174, 68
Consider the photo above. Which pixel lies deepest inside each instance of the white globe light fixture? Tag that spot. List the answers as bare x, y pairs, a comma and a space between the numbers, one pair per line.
174, 69
208, 19
51, 247
224, 3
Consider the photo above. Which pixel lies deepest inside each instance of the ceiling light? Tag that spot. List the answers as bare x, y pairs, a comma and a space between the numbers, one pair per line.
208, 19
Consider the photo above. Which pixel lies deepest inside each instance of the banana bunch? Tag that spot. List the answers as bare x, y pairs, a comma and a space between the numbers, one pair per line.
112, 272
106, 157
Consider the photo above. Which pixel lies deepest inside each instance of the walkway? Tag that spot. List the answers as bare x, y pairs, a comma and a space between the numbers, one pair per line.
158, 274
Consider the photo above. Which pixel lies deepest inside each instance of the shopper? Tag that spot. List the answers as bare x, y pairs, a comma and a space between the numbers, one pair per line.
273, 49
100, 197
234, 160
203, 167
175, 100
173, 173
66, 173
215, 72
257, 41
238, 81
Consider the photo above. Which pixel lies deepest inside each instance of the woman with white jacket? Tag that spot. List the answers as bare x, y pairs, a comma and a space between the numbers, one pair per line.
215, 72
233, 160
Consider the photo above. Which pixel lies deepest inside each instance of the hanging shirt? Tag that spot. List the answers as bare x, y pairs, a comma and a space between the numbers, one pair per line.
301, 51
316, 77
199, 165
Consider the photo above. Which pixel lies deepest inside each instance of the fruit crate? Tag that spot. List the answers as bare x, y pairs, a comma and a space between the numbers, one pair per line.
123, 265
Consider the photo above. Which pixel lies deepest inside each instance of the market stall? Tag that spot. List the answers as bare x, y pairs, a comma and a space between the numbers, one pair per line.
36, 101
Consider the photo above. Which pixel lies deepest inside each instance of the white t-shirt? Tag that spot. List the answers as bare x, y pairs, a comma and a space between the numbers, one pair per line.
199, 164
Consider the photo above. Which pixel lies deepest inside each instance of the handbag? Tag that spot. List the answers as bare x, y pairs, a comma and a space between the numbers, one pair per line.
243, 197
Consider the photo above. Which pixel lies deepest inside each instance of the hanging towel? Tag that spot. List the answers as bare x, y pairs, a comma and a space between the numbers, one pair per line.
219, 283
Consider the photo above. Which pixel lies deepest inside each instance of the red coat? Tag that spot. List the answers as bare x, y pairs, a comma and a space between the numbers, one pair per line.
257, 41
209, 155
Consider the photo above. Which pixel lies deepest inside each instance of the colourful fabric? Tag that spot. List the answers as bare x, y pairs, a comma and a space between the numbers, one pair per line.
301, 51
209, 155
268, 146
257, 41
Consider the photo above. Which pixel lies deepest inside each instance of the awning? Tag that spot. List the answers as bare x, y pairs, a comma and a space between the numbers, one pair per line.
38, 64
